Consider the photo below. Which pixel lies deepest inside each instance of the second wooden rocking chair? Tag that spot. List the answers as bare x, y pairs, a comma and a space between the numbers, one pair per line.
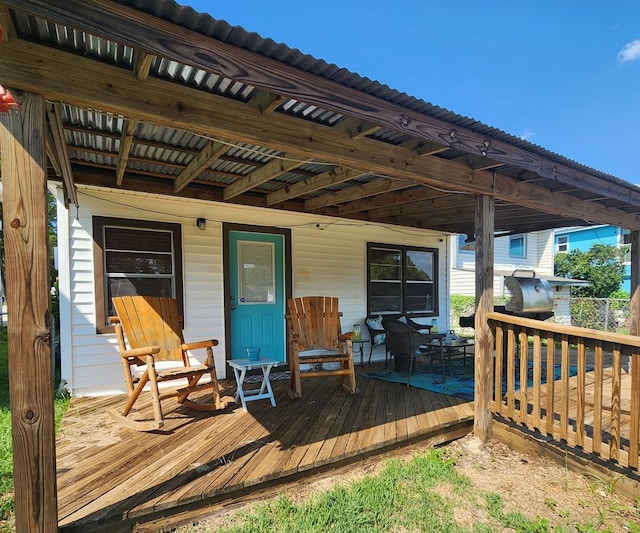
315, 340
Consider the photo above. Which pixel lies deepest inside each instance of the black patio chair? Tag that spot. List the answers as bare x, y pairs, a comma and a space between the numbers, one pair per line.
405, 343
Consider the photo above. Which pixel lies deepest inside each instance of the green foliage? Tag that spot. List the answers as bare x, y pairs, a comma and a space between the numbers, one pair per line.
602, 265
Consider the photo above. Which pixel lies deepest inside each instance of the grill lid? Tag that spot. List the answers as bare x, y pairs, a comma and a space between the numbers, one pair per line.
529, 294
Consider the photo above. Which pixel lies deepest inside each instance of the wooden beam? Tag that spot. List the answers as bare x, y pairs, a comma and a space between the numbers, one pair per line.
356, 192
276, 167
266, 102
7, 29
142, 64
100, 86
484, 359
314, 183
126, 141
54, 113
24, 206
356, 129
635, 284
211, 152
634, 329
434, 205
52, 154
383, 205
122, 24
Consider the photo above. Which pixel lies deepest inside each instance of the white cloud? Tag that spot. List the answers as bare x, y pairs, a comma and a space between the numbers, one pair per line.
629, 52
527, 134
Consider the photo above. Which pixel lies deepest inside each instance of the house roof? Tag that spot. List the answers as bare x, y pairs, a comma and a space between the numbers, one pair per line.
152, 96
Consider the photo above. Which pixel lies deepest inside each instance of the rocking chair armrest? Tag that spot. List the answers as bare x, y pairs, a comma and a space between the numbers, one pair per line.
345, 336
210, 343
140, 352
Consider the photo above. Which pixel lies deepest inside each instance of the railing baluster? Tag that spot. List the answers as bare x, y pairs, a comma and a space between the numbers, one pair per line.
497, 390
614, 446
537, 378
580, 399
524, 374
551, 391
564, 387
511, 349
634, 421
597, 397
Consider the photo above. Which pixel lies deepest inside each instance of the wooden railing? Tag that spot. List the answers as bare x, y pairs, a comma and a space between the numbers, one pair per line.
576, 385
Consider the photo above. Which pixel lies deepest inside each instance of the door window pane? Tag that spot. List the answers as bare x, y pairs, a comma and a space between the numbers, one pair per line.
256, 272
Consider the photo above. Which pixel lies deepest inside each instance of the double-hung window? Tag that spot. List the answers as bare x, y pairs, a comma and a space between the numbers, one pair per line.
402, 280
518, 246
135, 258
562, 244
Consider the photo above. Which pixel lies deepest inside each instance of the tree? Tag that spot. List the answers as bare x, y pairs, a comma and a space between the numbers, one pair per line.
602, 266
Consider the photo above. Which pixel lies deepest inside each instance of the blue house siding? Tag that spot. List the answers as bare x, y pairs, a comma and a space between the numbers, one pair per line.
584, 238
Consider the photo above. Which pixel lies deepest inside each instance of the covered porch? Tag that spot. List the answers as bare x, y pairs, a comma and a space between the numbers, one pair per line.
150, 99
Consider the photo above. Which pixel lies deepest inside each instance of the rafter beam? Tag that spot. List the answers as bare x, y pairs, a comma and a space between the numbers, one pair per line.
99, 86
276, 167
7, 29
142, 64
312, 184
266, 102
126, 141
210, 153
424, 148
54, 112
402, 198
356, 192
432, 207
52, 154
356, 129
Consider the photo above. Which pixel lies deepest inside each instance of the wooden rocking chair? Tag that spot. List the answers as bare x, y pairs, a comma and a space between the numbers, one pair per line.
315, 340
149, 332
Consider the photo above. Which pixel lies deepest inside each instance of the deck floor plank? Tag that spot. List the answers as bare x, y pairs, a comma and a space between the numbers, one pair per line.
111, 477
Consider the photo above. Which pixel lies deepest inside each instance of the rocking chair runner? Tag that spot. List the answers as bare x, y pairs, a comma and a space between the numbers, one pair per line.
316, 340
148, 331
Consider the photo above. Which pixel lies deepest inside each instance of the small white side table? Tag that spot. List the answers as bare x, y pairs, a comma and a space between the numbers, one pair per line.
265, 392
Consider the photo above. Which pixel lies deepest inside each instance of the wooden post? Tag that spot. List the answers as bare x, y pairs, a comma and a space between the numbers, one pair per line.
634, 307
485, 206
22, 144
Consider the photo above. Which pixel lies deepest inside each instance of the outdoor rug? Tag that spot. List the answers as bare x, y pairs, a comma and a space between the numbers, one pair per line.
461, 384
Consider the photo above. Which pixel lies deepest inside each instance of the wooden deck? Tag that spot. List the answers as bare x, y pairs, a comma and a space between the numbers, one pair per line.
115, 479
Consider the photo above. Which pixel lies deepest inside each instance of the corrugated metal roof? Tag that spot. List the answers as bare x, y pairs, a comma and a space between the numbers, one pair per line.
94, 138
219, 29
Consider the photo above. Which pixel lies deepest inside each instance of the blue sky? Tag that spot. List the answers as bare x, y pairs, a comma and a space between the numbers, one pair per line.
563, 74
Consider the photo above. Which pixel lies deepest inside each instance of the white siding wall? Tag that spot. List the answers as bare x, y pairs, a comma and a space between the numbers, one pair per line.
329, 258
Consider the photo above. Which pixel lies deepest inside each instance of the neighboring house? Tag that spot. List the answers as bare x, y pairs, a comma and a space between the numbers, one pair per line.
525, 252
583, 238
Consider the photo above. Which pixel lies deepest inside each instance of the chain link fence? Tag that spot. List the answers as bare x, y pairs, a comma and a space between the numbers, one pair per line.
606, 314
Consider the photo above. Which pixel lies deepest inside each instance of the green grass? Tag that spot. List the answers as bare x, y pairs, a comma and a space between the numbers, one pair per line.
61, 404
418, 495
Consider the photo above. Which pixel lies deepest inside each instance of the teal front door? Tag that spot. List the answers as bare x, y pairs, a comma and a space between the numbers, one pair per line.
256, 294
